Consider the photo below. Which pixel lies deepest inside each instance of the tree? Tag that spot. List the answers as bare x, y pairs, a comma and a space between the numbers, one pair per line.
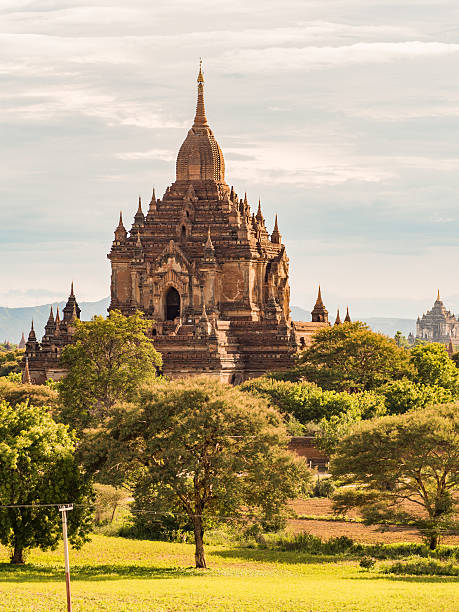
209, 450
10, 361
307, 402
401, 340
107, 362
37, 395
403, 395
434, 367
396, 464
37, 466
350, 357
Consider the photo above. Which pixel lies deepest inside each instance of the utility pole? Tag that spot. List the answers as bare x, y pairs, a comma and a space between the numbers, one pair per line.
64, 509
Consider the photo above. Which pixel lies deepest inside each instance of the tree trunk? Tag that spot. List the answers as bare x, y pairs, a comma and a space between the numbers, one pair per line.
18, 555
433, 541
200, 560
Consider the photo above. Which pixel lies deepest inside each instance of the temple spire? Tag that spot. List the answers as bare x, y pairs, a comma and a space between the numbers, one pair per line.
200, 119
152, 207
347, 318
338, 318
139, 218
209, 244
438, 296
26, 380
275, 236
259, 213
319, 312
120, 231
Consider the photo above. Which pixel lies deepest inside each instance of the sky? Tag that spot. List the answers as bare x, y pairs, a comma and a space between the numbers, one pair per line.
341, 115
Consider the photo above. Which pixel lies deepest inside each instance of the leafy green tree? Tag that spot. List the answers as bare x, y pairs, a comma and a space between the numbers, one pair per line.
403, 395
37, 466
350, 357
401, 340
393, 465
107, 362
107, 500
307, 402
37, 395
208, 449
434, 367
10, 361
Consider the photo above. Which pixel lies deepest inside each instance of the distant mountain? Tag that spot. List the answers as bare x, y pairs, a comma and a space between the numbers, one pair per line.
14, 321
385, 325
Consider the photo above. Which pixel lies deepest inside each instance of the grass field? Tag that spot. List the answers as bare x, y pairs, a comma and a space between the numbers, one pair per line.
128, 575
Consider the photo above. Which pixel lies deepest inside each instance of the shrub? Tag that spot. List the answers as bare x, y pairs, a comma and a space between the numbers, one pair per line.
423, 567
323, 487
367, 562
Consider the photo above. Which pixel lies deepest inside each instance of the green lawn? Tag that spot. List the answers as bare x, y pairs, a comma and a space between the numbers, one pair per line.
119, 574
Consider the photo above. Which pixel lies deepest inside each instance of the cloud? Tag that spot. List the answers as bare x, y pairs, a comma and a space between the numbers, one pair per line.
293, 59
161, 154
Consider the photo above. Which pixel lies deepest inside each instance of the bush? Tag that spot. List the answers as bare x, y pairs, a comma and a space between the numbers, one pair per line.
423, 567
15, 393
307, 402
308, 543
367, 562
323, 487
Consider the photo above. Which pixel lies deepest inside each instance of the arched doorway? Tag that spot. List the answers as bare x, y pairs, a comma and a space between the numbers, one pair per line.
172, 304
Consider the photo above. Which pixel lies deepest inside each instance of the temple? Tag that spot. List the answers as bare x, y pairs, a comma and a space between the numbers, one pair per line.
206, 269
438, 325
41, 359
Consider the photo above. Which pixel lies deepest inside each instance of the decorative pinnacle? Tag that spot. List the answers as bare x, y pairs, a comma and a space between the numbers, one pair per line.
120, 224
438, 295
51, 315
245, 199
71, 290
139, 210
200, 119
259, 213
338, 319
319, 298
200, 75
57, 315
347, 318
209, 244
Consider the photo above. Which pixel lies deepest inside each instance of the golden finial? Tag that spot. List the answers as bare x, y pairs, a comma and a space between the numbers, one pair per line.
200, 75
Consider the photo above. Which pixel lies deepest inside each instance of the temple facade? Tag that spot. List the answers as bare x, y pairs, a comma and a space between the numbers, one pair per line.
438, 325
41, 359
207, 271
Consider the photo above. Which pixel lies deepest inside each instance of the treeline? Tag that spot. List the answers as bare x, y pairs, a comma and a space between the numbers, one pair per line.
196, 452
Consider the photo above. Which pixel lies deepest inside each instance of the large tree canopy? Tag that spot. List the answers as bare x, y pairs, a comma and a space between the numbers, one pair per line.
392, 465
107, 362
434, 367
37, 466
350, 357
208, 450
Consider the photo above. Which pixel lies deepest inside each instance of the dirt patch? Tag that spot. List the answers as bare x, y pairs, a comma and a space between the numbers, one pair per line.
318, 506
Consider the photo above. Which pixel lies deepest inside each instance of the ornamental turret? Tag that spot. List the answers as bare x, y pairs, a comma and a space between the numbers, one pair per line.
71, 307
139, 218
275, 236
120, 232
319, 312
